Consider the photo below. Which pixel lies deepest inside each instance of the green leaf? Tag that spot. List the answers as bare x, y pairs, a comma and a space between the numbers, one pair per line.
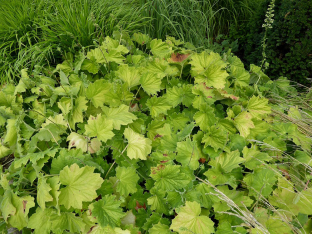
235, 61
107, 211
138, 146
205, 118
5, 114
237, 197
43, 194
216, 138
160, 48
258, 107
11, 133
174, 95
157, 201
24, 83
38, 112
243, 123
261, 182
130, 75
7, 208
151, 83
204, 95
153, 127
153, 219
161, 68
35, 157
168, 143
127, 180
40, 221
228, 161
277, 226
15, 209
285, 198
237, 142
99, 127
205, 200
67, 158
208, 68
90, 65
141, 38
119, 116
189, 220
54, 183
257, 75
177, 95
178, 121
67, 221
158, 105
78, 61
97, 54
188, 154
98, 92
224, 228
118, 94
81, 185
65, 106
102, 56
169, 177
165, 130
52, 128
217, 176
110, 43
66, 66
302, 157
76, 115
4, 151
241, 76
186, 132
160, 228
254, 158
115, 56
108, 229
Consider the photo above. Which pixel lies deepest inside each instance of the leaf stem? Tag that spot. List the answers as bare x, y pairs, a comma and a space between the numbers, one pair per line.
115, 162
135, 95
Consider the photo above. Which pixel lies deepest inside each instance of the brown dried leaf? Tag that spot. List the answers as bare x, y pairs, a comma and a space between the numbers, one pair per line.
176, 57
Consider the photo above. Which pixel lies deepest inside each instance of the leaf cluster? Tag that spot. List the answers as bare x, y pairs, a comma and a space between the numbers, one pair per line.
141, 135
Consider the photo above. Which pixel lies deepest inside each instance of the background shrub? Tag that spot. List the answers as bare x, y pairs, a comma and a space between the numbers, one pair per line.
289, 43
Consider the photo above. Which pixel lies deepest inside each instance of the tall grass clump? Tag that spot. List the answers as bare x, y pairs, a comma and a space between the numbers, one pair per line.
233, 13
190, 21
18, 30
41, 31
198, 21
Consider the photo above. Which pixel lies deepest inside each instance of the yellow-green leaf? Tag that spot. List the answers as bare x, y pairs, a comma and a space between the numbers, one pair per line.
138, 146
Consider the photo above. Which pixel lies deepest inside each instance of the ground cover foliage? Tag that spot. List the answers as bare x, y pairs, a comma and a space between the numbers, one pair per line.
148, 136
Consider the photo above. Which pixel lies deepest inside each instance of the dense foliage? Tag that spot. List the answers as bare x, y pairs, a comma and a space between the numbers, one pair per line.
146, 136
289, 43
